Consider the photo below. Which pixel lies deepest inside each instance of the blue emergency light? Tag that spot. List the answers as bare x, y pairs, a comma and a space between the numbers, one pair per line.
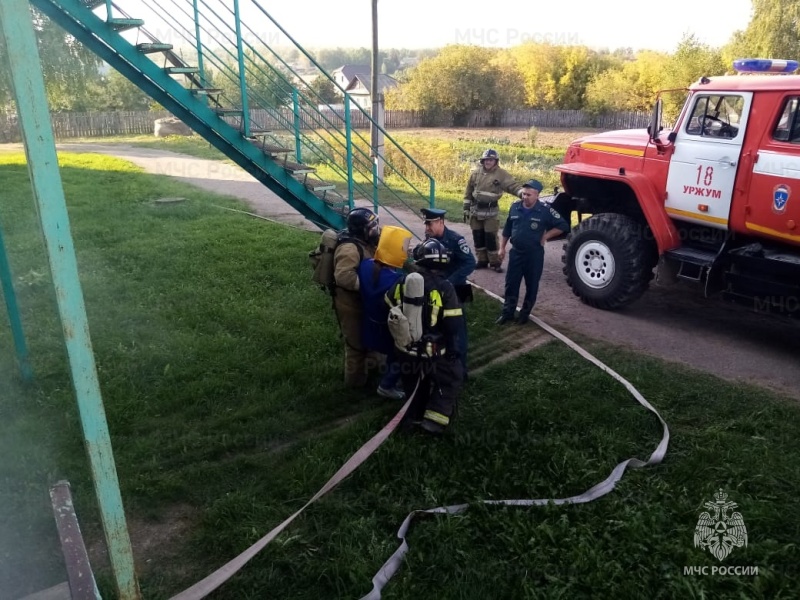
765, 65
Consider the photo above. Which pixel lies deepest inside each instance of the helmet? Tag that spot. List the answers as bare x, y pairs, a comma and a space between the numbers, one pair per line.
431, 254
363, 224
392, 247
492, 154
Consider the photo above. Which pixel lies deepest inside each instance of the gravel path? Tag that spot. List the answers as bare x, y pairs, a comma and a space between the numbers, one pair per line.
671, 322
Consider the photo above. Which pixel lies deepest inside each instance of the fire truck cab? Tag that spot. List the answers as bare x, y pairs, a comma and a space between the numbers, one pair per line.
714, 200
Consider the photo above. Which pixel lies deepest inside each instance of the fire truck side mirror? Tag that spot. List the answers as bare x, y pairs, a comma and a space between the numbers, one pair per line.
655, 120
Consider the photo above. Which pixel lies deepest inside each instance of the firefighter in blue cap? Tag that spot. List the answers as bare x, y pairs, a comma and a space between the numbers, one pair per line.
529, 226
462, 264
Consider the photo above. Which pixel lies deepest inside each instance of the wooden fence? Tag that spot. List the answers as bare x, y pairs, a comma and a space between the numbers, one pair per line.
100, 124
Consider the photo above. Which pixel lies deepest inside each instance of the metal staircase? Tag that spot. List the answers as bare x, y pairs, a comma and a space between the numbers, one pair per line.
241, 95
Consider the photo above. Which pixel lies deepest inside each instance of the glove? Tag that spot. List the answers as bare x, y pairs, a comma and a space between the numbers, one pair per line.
466, 215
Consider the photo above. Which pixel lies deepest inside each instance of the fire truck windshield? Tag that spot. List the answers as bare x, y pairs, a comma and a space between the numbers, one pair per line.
715, 116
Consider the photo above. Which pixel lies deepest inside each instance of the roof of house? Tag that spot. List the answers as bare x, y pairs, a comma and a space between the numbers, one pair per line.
350, 71
384, 82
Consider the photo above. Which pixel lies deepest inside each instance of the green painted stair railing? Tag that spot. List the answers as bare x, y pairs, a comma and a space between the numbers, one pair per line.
248, 97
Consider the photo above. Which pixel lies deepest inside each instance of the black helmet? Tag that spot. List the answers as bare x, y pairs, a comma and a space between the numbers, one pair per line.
363, 224
431, 254
492, 154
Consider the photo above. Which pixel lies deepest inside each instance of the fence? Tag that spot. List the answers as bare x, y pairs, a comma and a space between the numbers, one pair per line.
100, 124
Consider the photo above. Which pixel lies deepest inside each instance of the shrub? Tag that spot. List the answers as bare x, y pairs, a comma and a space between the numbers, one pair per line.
533, 134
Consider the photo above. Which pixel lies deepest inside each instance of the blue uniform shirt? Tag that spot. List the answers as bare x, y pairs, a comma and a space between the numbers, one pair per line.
526, 226
462, 260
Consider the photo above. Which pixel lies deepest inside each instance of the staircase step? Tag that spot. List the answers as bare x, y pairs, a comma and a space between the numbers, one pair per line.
125, 24
92, 4
297, 168
257, 131
269, 148
182, 70
151, 47
229, 112
206, 91
693, 256
317, 185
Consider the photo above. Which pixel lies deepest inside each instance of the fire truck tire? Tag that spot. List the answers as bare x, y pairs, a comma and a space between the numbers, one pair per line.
607, 261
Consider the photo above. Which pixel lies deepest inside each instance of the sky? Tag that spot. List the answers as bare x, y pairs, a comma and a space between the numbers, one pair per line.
415, 24
503, 23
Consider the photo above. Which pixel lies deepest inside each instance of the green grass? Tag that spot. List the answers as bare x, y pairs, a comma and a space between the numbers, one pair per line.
220, 367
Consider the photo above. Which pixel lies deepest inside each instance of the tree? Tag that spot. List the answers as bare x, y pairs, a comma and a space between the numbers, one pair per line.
117, 92
5, 82
333, 58
459, 79
556, 76
71, 72
322, 90
630, 87
273, 89
773, 32
268, 86
692, 60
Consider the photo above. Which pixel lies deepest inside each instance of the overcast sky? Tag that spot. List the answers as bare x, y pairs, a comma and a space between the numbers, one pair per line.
433, 23
499, 23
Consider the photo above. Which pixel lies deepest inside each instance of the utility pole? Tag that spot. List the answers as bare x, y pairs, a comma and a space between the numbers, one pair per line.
376, 137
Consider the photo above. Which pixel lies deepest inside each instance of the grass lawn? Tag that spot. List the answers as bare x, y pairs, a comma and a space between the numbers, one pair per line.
220, 367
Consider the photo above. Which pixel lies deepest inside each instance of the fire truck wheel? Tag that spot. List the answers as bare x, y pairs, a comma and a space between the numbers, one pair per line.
607, 261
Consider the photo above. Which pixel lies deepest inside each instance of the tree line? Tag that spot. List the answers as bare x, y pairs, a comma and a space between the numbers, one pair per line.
457, 78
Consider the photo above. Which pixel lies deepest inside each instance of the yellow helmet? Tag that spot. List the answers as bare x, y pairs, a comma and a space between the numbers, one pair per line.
392, 247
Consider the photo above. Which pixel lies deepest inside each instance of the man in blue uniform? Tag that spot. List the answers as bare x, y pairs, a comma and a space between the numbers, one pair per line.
462, 264
529, 226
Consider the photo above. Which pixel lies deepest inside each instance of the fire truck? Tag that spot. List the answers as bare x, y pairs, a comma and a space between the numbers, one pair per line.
713, 200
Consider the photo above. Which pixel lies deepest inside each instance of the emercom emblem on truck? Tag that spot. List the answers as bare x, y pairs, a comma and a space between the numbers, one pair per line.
780, 196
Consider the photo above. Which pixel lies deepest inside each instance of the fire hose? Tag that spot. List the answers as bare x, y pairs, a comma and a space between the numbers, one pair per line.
207, 585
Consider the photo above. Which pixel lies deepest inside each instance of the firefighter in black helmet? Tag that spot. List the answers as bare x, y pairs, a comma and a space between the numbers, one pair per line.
355, 244
431, 364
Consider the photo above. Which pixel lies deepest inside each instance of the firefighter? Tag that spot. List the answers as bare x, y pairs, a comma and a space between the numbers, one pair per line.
485, 187
425, 318
376, 276
529, 226
358, 243
461, 266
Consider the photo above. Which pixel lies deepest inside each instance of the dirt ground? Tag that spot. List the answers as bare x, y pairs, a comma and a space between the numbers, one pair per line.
673, 322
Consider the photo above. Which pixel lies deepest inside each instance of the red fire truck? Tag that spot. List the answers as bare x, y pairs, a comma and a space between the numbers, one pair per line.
715, 200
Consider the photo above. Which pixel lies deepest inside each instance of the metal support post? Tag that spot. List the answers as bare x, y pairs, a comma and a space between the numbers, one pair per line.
26, 78
7, 283
298, 147
199, 45
349, 147
242, 71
